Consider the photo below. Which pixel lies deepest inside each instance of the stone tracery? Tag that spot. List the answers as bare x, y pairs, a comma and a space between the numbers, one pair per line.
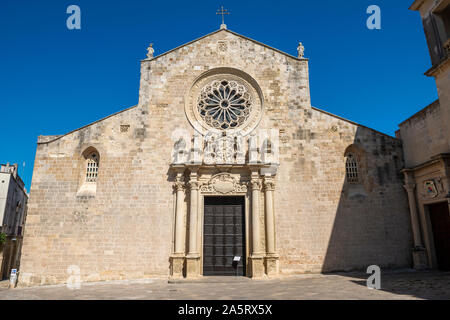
224, 99
224, 104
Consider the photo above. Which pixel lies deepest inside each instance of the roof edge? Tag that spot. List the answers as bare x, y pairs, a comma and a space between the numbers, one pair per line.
88, 125
354, 123
433, 159
232, 32
433, 104
416, 5
438, 67
267, 46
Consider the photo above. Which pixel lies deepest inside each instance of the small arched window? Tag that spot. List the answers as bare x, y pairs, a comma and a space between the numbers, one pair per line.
92, 163
352, 168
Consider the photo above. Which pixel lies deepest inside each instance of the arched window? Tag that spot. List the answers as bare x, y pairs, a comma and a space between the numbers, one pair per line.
92, 163
351, 168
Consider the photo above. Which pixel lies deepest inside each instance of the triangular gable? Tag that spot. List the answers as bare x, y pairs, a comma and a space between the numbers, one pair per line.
233, 33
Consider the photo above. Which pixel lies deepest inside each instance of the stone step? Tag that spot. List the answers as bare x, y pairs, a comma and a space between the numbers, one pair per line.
216, 279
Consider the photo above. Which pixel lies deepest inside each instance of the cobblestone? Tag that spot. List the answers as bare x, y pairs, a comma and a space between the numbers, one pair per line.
394, 286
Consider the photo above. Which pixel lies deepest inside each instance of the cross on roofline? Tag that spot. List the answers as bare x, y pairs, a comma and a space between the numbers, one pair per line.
223, 12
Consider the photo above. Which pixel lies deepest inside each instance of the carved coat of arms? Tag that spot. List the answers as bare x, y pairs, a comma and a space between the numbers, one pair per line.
430, 189
223, 183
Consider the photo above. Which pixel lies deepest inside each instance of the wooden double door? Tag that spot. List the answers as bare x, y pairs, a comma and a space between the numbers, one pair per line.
440, 221
224, 236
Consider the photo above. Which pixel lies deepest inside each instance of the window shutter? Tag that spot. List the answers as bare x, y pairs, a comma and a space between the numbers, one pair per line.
434, 43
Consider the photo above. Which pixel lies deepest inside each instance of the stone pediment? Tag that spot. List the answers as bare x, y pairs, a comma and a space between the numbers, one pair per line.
222, 45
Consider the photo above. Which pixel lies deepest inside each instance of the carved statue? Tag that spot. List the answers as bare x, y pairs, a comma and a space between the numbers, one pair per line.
300, 50
150, 51
180, 152
180, 144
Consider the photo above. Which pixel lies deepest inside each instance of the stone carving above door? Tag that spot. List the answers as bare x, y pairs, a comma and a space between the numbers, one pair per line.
432, 188
224, 183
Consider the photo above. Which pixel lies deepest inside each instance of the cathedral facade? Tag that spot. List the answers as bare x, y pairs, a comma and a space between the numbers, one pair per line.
223, 168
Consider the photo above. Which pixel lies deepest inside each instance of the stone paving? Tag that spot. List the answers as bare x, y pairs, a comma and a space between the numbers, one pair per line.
394, 286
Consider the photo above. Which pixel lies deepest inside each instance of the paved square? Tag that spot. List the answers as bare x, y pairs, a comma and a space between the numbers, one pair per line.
394, 285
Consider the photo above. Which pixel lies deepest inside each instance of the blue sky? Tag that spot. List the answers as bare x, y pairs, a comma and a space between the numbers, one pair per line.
54, 80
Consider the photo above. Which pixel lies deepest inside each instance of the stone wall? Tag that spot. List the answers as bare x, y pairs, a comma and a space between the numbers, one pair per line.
424, 135
125, 229
119, 232
427, 133
323, 222
443, 88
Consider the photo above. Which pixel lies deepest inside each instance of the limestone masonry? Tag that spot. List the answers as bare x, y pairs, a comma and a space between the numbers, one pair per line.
124, 197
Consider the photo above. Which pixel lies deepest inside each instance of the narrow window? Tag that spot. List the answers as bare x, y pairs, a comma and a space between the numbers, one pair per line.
351, 168
92, 167
444, 23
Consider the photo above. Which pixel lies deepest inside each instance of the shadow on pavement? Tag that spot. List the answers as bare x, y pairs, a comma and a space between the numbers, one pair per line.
429, 285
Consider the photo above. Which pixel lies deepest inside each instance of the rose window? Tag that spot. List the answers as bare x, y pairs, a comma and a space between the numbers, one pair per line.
224, 104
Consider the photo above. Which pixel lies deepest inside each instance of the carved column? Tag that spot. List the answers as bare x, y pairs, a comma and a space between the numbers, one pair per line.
193, 257
179, 226
177, 258
419, 254
257, 256
271, 259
